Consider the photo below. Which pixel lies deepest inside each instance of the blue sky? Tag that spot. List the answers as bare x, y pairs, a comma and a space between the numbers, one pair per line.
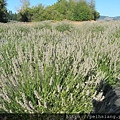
104, 7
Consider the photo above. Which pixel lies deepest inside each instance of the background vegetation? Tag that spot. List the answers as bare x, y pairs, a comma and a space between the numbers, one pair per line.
79, 10
3, 11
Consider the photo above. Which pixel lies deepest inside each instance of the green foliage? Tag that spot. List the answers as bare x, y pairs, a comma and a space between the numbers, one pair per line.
26, 15
117, 34
51, 14
3, 11
37, 12
70, 12
62, 9
44, 25
104, 66
98, 29
64, 27
12, 16
96, 14
82, 12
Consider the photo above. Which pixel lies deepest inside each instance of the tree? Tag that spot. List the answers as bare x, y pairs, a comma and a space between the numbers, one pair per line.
79, 10
24, 12
82, 11
92, 4
95, 13
25, 4
71, 7
37, 12
11, 16
62, 7
3, 11
50, 13
26, 15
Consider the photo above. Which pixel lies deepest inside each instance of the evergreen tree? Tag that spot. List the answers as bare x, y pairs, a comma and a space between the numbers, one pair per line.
3, 11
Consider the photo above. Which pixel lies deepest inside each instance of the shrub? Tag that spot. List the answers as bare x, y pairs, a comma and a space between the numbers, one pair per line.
47, 71
62, 27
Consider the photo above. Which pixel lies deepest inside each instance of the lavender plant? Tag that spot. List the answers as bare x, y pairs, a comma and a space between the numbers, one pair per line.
46, 70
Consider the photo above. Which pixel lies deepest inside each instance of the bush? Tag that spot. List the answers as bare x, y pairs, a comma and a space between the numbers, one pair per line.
47, 71
62, 27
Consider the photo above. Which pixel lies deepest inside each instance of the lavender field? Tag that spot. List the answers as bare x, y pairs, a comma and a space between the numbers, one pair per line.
56, 68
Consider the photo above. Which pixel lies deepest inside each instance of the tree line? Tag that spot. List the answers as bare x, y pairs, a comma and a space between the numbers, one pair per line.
75, 10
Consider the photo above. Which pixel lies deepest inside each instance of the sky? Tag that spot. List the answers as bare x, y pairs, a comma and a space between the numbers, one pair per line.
109, 8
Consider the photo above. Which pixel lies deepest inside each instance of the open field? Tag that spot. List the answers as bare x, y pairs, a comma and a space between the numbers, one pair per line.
47, 67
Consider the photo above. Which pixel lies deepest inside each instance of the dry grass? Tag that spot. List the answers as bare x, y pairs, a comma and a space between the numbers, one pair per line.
57, 22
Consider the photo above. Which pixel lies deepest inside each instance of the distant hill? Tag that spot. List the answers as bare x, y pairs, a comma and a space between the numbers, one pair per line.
109, 18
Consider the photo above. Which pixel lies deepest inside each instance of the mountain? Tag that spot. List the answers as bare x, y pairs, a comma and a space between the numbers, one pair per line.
109, 18
117, 18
